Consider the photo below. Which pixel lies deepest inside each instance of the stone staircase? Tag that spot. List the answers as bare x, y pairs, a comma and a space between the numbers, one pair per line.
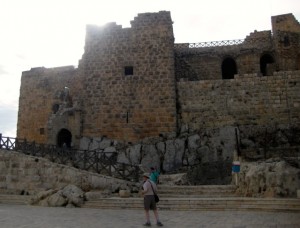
190, 198
212, 197
14, 199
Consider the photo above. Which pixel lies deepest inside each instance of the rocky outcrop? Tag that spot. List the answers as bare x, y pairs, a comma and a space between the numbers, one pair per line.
69, 196
210, 152
270, 178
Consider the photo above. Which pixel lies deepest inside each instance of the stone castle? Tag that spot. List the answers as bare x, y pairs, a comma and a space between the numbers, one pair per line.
135, 83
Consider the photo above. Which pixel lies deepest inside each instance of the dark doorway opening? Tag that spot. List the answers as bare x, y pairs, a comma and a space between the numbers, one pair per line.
266, 60
228, 68
298, 62
64, 138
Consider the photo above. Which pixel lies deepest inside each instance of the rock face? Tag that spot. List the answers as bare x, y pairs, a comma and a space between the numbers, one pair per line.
209, 152
271, 178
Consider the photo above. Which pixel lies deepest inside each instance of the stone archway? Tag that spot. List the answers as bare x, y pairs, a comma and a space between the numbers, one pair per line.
229, 68
266, 63
64, 137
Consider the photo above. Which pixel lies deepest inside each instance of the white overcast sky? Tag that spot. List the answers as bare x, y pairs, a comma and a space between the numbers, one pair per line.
51, 33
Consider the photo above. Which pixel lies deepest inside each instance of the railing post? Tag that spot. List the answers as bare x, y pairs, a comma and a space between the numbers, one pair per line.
0, 140
6, 143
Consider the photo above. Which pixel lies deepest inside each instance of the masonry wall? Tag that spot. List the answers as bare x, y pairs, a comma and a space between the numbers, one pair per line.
286, 30
141, 104
133, 83
21, 173
41, 90
205, 63
245, 100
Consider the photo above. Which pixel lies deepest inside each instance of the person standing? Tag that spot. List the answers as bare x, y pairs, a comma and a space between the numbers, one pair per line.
154, 175
149, 187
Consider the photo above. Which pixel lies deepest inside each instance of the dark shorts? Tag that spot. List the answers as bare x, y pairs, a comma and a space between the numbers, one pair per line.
149, 202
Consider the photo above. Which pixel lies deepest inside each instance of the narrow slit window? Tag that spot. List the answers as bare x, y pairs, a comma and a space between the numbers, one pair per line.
128, 70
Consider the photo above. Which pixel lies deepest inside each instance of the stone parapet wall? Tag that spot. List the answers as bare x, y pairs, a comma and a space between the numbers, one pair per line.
245, 100
22, 173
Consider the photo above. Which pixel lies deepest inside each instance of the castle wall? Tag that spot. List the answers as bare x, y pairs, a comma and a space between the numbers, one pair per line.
205, 62
245, 100
133, 83
138, 105
42, 91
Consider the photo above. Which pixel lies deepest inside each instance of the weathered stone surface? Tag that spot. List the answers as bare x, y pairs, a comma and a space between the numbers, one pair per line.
57, 200
105, 142
74, 195
96, 195
124, 193
95, 143
150, 156
174, 154
110, 149
270, 178
174, 179
135, 154
51, 176
84, 143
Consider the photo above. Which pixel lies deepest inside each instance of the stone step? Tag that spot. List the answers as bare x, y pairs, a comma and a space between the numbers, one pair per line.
197, 191
14, 199
233, 203
228, 203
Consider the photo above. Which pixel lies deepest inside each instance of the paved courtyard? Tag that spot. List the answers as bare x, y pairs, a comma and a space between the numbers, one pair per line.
14, 216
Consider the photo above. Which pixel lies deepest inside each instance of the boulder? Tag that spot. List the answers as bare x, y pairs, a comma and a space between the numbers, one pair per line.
124, 193
271, 178
57, 200
74, 195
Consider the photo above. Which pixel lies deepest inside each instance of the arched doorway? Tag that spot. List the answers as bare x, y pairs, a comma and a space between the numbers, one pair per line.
229, 68
265, 65
64, 137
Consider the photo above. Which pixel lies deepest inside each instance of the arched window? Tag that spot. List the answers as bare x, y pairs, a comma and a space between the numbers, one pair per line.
64, 138
228, 68
265, 62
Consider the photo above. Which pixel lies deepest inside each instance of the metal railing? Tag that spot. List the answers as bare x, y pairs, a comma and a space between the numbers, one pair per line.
95, 161
222, 43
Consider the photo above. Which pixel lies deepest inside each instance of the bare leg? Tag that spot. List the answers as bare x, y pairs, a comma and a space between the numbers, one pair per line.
147, 215
156, 215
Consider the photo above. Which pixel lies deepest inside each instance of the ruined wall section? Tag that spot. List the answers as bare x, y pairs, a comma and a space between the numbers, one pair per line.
245, 100
143, 103
41, 92
286, 32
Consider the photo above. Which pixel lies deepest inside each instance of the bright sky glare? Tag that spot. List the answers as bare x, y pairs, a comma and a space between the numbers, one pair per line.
51, 33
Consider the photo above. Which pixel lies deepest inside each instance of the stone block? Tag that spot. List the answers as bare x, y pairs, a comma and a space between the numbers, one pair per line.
124, 193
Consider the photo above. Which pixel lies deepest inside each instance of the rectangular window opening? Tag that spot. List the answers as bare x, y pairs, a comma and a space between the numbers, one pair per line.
128, 70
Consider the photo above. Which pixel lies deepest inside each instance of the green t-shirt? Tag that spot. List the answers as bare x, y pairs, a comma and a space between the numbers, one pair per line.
154, 176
